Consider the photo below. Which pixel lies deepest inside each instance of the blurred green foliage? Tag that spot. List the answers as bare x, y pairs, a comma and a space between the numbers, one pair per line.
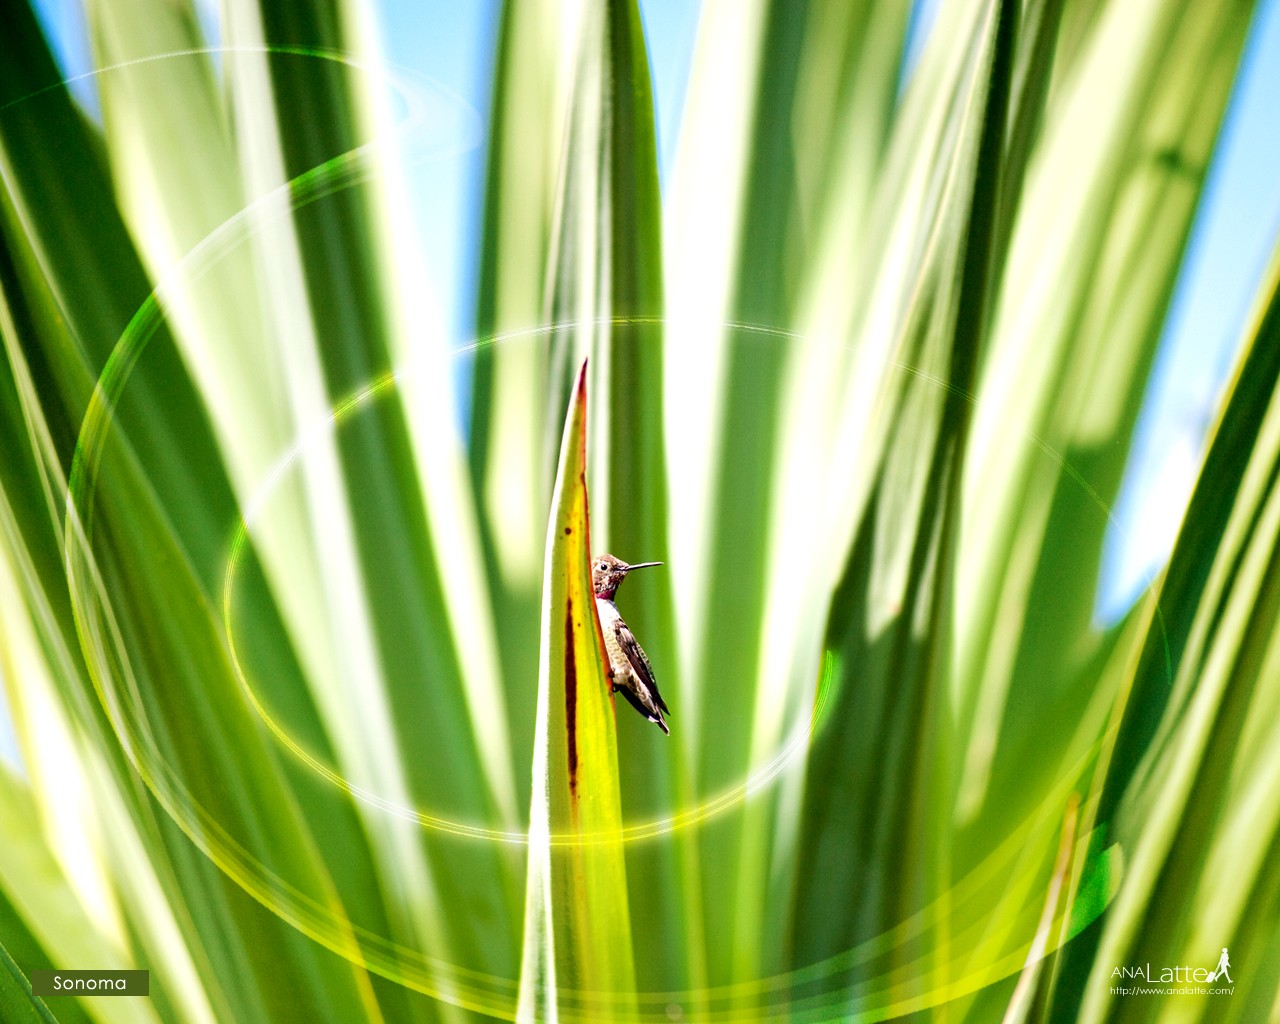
314, 724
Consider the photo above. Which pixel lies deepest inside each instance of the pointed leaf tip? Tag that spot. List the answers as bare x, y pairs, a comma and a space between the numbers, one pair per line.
576, 866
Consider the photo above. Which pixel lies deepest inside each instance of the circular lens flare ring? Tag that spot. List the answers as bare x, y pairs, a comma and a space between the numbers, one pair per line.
795, 743
772, 997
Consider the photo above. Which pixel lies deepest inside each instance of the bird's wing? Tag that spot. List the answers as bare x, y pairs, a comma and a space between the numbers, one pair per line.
638, 660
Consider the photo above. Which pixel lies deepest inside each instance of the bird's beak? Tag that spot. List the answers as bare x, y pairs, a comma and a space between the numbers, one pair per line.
642, 565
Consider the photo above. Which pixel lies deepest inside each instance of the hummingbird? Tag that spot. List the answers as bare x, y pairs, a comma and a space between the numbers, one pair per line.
632, 673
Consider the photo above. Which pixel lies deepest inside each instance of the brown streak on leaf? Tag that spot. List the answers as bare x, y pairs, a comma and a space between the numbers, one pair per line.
571, 699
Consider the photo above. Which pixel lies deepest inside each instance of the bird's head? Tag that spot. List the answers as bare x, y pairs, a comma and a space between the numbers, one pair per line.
607, 573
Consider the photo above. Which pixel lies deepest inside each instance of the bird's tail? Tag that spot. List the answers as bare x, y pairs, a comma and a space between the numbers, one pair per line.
653, 714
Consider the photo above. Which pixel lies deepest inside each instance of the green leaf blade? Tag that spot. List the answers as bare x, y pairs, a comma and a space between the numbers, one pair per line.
577, 922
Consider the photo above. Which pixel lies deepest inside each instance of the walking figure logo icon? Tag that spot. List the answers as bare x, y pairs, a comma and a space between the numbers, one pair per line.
1221, 970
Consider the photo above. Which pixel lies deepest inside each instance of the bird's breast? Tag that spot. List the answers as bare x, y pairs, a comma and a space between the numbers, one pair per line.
607, 610
608, 613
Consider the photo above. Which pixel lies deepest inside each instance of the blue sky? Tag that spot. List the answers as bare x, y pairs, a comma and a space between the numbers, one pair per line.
451, 43
1235, 230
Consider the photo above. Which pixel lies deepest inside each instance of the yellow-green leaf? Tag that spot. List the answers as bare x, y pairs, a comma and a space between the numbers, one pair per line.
577, 933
